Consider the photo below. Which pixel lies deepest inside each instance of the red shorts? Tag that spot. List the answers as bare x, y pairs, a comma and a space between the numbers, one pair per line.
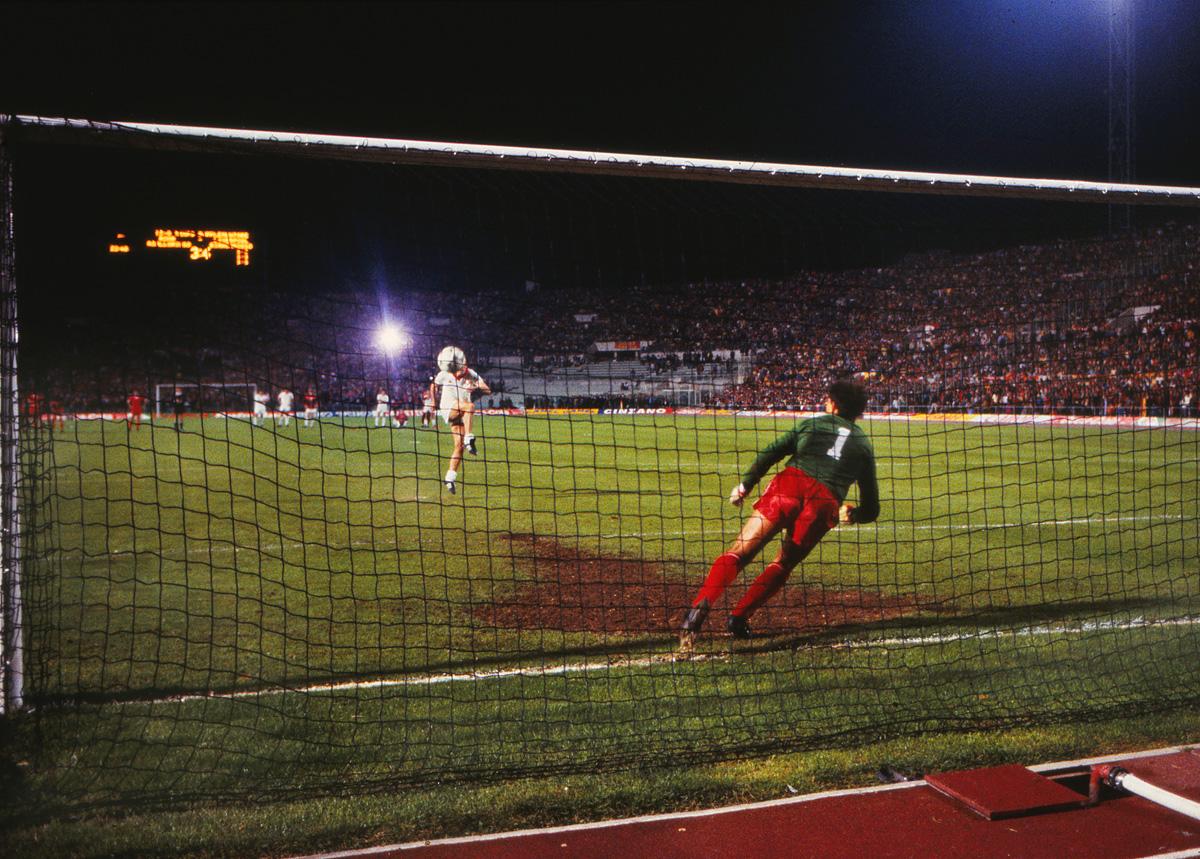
803, 503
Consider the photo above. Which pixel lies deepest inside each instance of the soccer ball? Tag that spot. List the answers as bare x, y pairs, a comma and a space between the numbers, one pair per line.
451, 359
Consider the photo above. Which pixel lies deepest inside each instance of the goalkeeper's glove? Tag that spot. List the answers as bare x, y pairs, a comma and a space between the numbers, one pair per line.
737, 495
846, 514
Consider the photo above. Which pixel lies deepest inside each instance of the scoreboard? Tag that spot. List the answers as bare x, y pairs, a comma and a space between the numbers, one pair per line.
200, 245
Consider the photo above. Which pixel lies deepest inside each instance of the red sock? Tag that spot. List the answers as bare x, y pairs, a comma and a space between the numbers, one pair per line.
762, 589
723, 571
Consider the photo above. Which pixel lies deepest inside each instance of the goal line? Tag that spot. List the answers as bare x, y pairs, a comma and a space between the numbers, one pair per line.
590, 667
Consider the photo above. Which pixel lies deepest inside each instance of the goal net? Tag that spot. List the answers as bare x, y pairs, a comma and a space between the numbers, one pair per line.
215, 398
271, 607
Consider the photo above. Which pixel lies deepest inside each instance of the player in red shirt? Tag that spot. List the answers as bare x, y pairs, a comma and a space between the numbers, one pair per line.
136, 403
58, 418
310, 407
35, 406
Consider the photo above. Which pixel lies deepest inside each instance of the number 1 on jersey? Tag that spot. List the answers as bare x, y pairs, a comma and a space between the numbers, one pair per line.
836, 450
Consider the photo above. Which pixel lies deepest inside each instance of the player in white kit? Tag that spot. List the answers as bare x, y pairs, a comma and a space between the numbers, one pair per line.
428, 418
457, 410
286, 400
261, 398
383, 407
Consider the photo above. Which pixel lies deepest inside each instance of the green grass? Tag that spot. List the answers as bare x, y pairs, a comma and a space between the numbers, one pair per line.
302, 826
1057, 566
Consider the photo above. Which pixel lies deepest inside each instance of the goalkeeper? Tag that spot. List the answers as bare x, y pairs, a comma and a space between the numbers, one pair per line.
828, 453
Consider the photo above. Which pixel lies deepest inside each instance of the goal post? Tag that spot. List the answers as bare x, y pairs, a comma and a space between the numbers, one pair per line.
351, 605
221, 398
12, 626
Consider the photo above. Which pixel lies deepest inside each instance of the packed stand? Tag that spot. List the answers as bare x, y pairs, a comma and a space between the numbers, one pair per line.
1103, 326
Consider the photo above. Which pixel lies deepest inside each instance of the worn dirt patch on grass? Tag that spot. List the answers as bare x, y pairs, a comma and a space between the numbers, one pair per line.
574, 590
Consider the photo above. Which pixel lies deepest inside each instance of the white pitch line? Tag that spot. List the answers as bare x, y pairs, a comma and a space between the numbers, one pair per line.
705, 467
668, 659
1045, 523
1022, 632
437, 679
744, 807
224, 547
911, 526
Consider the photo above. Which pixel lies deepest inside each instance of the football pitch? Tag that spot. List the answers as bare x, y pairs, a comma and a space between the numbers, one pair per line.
234, 609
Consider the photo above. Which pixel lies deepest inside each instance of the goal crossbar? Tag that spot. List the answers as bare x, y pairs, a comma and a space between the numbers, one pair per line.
430, 153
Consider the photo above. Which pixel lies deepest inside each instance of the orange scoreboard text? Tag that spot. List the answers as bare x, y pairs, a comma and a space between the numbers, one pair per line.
199, 244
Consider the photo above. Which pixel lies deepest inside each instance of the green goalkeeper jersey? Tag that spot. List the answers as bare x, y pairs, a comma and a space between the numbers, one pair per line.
831, 449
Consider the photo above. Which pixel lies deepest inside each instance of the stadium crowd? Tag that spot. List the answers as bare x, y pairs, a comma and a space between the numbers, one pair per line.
1067, 328
1107, 326
1100, 326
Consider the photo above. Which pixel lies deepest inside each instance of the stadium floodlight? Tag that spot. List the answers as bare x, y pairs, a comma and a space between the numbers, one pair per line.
391, 338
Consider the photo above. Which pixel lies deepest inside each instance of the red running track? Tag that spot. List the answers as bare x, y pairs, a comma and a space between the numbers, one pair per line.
904, 820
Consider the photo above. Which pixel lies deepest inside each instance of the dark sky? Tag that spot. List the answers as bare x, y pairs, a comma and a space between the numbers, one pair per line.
995, 86
1009, 87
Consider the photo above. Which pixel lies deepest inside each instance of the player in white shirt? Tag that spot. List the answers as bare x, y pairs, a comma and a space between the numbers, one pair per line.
428, 419
458, 410
261, 398
286, 400
383, 407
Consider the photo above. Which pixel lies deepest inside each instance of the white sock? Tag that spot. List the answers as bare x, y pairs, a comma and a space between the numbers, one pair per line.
451, 475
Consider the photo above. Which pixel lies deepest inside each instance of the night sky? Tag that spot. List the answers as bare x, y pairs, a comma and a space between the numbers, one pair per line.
1009, 87
993, 86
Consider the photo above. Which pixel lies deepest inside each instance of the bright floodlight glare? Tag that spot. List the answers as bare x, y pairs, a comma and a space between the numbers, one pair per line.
391, 338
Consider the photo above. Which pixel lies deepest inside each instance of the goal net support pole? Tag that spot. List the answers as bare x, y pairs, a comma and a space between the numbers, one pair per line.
11, 626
